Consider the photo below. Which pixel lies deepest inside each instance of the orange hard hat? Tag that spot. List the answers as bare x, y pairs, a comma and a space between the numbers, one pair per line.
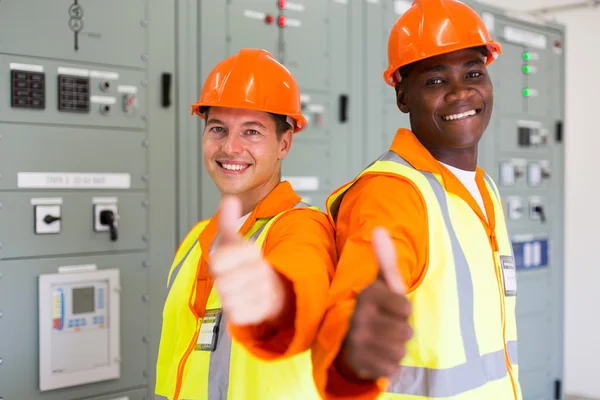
433, 27
252, 79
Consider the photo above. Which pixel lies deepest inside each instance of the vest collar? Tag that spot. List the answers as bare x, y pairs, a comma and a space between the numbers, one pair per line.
407, 146
282, 198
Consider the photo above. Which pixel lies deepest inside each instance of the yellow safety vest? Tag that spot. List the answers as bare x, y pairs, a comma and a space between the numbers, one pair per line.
465, 341
229, 372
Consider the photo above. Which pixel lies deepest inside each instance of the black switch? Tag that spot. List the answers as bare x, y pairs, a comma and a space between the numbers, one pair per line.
343, 108
559, 132
524, 136
166, 79
50, 219
107, 217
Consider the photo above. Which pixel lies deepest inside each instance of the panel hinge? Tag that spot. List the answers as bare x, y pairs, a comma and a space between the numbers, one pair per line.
557, 390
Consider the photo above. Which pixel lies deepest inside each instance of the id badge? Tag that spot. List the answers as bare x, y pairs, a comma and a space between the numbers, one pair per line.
209, 330
509, 272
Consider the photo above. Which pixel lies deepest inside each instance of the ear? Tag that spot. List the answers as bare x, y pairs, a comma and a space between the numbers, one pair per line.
285, 143
401, 97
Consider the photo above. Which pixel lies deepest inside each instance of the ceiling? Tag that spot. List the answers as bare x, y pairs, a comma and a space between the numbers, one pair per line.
530, 5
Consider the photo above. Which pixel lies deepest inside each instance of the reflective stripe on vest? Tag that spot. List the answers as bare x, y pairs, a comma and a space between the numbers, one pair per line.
219, 360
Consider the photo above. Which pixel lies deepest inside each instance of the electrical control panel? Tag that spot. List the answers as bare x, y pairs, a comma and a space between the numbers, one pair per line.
73, 93
100, 160
87, 177
79, 327
28, 87
523, 150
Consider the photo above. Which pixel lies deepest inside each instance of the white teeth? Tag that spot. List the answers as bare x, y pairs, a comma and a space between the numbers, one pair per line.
233, 167
459, 116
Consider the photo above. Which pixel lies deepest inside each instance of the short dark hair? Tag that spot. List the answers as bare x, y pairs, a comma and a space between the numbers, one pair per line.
405, 70
281, 124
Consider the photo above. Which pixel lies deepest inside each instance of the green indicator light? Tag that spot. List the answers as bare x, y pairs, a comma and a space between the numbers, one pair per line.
526, 56
526, 69
526, 92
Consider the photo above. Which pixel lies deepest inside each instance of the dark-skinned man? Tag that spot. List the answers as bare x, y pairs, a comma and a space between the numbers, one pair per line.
450, 332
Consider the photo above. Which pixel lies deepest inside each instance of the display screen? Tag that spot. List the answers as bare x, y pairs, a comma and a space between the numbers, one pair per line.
83, 300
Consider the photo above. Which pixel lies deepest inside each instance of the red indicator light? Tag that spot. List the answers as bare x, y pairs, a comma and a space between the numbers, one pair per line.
557, 44
282, 4
269, 19
282, 21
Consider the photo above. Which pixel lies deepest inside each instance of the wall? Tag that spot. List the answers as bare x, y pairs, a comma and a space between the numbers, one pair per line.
582, 330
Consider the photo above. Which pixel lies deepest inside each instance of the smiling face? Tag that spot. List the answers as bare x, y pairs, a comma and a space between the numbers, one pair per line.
450, 99
242, 152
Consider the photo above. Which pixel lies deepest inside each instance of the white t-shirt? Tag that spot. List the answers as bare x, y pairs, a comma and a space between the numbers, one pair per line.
467, 178
239, 225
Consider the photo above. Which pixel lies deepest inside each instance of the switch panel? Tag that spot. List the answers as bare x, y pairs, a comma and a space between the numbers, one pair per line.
316, 111
28, 89
534, 174
73, 93
47, 219
507, 173
546, 173
535, 206
511, 171
130, 104
98, 209
106, 216
514, 208
531, 134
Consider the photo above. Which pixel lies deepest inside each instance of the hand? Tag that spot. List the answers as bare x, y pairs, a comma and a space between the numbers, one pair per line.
251, 291
379, 329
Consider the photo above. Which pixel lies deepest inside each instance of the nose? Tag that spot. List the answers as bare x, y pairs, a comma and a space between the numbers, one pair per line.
459, 91
232, 144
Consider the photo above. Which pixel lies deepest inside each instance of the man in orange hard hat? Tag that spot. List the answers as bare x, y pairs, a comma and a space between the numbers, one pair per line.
438, 320
248, 287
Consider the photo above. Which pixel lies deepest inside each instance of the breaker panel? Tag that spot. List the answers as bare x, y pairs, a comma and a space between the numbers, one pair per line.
76, 163
98, 172
320, 154
523, 151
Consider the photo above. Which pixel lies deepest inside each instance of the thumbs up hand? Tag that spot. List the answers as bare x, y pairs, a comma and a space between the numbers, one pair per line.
251, 291
379, 329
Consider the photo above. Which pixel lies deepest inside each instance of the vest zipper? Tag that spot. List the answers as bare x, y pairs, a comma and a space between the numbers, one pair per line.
500, 272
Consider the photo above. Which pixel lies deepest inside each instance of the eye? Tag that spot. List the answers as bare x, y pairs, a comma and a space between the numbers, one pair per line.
217, 129
434, 81
252, 132
474, 74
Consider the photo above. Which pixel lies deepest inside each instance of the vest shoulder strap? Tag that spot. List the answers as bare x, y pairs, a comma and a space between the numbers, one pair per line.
186, 245
493, 186
264, 225
389, 162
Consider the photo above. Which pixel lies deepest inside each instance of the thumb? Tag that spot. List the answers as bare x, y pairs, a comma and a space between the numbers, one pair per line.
229, 214
385, 252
